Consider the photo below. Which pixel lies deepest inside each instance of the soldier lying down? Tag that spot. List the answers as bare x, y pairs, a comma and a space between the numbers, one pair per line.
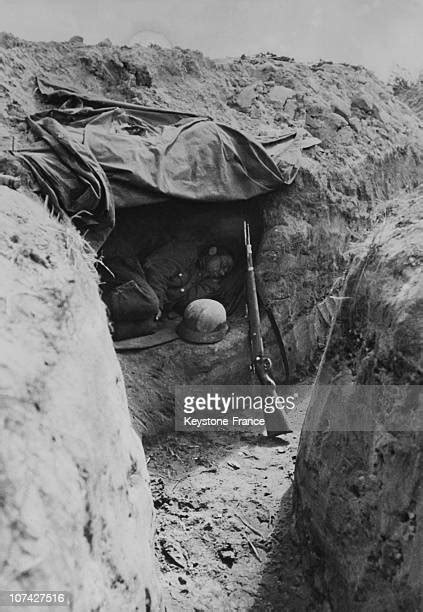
169, 279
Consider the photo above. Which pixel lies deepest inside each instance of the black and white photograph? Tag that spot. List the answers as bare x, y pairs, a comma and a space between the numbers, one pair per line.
211, 305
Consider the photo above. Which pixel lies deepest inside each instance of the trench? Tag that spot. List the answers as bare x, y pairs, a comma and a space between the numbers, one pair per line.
223, 501
224, 522
225, 538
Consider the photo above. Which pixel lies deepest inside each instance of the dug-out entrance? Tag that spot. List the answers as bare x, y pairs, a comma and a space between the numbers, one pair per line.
153, 369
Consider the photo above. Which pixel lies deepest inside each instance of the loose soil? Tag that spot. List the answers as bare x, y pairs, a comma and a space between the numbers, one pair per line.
224, 537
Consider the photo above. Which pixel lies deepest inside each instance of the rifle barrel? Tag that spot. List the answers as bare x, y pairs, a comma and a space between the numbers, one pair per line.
252, 299
276, 422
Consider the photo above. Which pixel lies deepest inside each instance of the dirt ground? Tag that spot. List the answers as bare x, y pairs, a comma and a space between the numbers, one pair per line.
224, 538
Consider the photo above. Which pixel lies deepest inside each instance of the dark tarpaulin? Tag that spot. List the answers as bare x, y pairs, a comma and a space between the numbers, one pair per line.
95, 155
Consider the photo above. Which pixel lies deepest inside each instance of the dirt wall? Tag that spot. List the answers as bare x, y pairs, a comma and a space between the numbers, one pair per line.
75, 507
358, 478
371, 149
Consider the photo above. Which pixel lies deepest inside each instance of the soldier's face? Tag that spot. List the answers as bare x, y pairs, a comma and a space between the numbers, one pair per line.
218, 266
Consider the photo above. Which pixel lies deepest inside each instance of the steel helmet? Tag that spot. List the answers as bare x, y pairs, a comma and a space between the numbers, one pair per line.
204, 322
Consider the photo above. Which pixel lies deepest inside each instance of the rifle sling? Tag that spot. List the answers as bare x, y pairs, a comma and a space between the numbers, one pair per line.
278, 336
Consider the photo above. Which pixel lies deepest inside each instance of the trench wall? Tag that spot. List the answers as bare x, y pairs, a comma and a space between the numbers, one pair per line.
358, 478
311, 231
75, 507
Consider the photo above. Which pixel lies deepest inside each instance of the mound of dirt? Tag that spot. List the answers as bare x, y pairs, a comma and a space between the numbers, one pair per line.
76, 511
358, 477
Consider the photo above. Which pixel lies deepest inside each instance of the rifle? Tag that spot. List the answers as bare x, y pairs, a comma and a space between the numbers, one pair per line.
261, 364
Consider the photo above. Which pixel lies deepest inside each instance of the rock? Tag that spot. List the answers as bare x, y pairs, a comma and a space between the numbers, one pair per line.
76, 507
341, 108
76, 40
336, 121
384, 117
9, 41
364, 104
106, 42
257, 110
345, 136
255, 113
227, 555
290, 108
315, 126
246, 98
358, 488
355, 124
142, 76
267, 68
174, 553
280, 94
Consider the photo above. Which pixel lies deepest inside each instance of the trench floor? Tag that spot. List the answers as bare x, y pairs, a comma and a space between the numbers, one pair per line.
225, 539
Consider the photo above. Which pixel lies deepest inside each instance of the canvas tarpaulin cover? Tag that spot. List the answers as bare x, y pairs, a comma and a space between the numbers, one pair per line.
93, 155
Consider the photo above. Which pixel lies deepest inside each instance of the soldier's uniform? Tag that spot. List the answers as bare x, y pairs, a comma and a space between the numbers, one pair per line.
170, 278
175, 275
